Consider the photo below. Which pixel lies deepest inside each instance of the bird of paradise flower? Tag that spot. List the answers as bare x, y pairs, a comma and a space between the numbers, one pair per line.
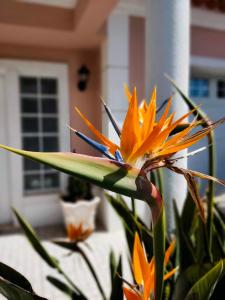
144, 272
149, 143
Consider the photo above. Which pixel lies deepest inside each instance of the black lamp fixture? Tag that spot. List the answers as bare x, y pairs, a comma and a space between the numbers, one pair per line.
83, 78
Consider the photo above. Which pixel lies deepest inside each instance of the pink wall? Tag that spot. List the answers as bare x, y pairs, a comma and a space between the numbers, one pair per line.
207, 42
88, 101
204, 42
137, 55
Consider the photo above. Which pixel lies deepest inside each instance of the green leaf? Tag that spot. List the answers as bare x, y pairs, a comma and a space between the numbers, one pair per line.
35, 242
185, 252
211, 160
65, 243
131, 224
63, 287
204, 287
14, 292
112, 264
159, 251
15, 277
105, 173
187, 278
117, 283
188, 213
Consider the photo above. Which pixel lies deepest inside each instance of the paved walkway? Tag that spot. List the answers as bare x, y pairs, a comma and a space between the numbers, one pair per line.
17, 253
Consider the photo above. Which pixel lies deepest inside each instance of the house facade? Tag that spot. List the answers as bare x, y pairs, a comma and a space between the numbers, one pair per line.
45, 45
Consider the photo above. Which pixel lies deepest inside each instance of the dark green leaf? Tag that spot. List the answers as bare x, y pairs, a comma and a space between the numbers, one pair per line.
63, 287
131, 224
117, 283
14, 292
35, 242
185, 253
112, 264
188, 213
15, 277
204, 287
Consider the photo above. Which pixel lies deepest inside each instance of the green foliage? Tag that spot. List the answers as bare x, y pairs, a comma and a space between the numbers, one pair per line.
14, 286
116, 281
77, 189
34, 241
63, 287
40, 249
204, 287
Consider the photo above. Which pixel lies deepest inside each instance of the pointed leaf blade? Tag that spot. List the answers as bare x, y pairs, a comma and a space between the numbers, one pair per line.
108, 174
204, 287
33, 239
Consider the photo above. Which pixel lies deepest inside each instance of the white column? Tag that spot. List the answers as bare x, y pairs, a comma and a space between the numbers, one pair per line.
114, 75
167, 51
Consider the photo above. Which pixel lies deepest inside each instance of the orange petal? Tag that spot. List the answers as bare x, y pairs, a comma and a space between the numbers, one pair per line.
155, 139
171, 273
142, 110
149, 120
112, 147
150, 280
140, 263
169, 252
127, 92
130, 132
166, 111
131, 295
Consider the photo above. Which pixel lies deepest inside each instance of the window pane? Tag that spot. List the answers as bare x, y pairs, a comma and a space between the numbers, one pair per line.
51, 180
50, 124
49, 86
31, 143
32, 182
29, 105
199, 87
39, 122
29, 165
221, 89
49, 106
50, 144
28, 85
29, 124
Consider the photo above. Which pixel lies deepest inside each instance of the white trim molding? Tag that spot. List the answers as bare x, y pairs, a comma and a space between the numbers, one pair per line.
208, 65
42, 208
131, 7
208, 19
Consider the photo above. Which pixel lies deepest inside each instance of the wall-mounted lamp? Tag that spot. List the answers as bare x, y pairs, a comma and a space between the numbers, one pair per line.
83, 78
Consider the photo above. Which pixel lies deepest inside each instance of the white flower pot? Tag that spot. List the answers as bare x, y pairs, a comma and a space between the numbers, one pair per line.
80, 214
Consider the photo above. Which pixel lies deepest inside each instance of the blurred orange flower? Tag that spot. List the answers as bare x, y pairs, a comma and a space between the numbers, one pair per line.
77, 233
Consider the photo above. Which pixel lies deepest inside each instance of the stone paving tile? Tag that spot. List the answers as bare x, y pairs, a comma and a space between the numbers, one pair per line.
17, 253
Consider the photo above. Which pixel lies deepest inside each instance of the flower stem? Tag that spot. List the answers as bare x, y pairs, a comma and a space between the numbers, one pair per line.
153, 198
133, 207
70, 281
211, 191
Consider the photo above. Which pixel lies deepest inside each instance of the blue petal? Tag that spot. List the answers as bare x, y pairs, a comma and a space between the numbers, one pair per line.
101, 148
112, 119
118, 156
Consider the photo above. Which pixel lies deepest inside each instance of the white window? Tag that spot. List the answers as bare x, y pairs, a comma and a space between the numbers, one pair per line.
40, 130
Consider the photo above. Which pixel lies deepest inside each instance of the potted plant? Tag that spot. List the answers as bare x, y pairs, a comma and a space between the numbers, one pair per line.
79, 209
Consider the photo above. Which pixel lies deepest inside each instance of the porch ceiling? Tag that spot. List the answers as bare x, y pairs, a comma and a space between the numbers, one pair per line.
59, 3
35, 24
